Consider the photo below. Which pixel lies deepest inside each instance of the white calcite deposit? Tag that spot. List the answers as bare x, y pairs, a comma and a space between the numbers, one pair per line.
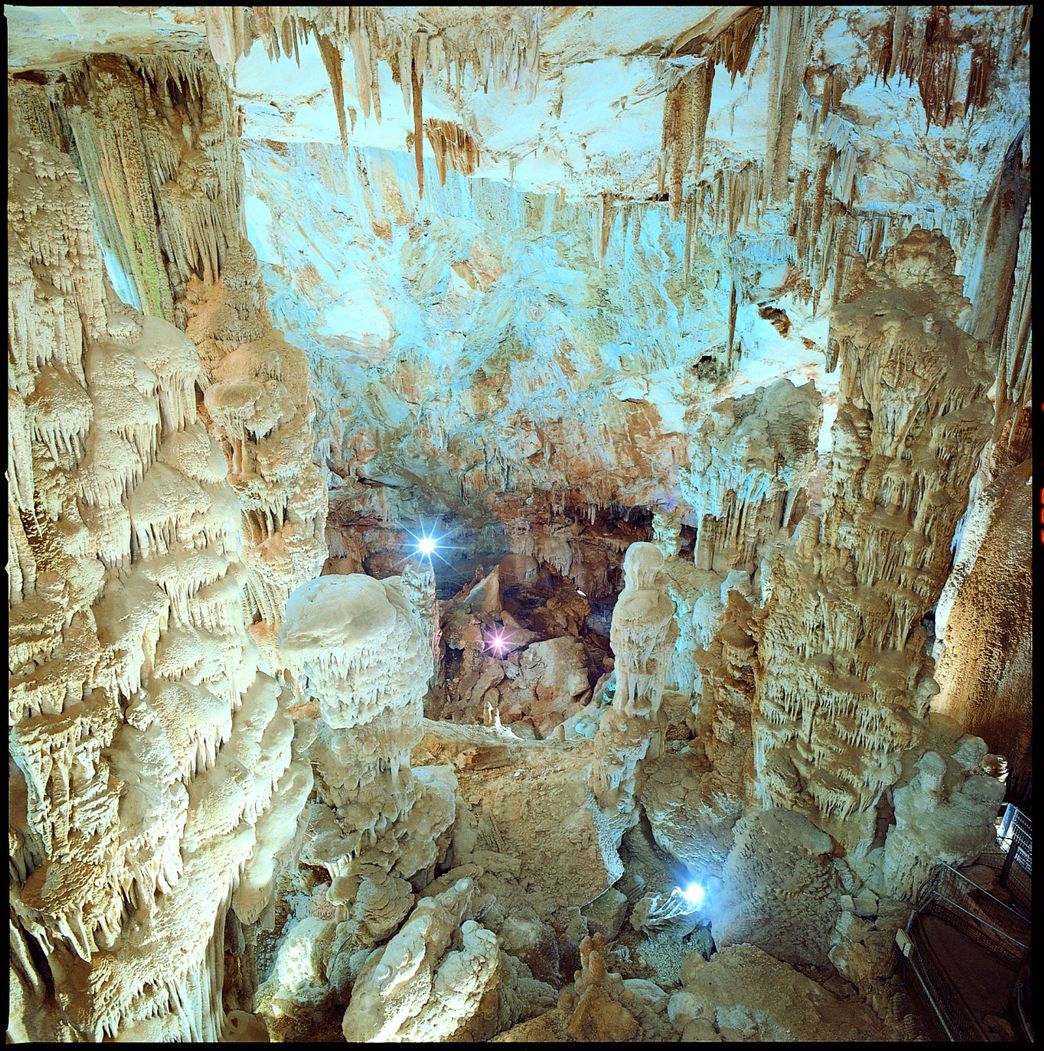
154, 778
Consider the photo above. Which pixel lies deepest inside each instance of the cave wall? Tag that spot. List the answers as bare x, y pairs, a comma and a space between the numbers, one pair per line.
153, 774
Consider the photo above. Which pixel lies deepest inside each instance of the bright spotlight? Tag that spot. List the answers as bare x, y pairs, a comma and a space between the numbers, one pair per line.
498, 643
693, 894
426, 546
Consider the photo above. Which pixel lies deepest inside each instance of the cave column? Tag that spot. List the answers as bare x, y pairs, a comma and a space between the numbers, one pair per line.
844, 680
642, 636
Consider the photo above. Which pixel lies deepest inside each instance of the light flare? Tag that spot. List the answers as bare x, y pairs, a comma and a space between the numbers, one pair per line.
694, 893
426, 545
498, 642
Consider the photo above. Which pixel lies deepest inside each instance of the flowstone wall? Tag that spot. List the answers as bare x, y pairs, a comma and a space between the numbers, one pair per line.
154, 778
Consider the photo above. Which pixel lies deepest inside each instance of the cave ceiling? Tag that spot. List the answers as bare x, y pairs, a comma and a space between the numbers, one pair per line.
629, 215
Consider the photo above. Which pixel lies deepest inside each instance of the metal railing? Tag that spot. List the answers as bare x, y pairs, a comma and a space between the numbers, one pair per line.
980, 915
999, 930
927, 978
1013, 857
1024, 1008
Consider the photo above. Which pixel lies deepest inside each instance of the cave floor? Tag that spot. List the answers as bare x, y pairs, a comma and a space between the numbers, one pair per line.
984, 983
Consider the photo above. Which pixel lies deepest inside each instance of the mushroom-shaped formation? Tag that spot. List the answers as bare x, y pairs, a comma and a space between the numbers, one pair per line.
362, 649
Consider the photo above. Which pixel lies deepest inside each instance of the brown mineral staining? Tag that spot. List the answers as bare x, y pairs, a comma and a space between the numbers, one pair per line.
454, 144
685, 126
778, 318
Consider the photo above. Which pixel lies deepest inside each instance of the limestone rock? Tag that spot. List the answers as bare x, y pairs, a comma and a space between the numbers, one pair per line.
710, 330
781, 891
606, 914
599, 1019
418, 987
743, 993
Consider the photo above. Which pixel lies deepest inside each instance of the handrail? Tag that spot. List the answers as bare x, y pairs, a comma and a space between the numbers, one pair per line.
939, 897
1015, 878
1016, 825
931, 999
954, 1013
982, 890
1020, 1006
983, 922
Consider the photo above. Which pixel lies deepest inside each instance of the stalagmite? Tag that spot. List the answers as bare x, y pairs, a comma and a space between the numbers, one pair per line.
642, 636
360, 647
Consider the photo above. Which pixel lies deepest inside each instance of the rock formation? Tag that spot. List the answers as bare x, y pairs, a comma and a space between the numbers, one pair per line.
696, 345
910, 420
154, 778
358, 646
632, 729
154, 140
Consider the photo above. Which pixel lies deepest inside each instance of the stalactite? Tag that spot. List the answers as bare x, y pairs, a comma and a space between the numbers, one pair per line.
607, 224
360, 43
732, 315
796, 224
733, 47
690, 223
841, 258
788, 49
417, 80
826, 162
900, 15
1025, 16
686, 106
334, 63
989, 283
1014, 359
454, 143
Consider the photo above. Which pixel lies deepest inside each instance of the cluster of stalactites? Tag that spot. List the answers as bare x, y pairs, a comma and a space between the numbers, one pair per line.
152, 137
689, 79
453, 143
954, 70
931, 54
739, 502
501, 46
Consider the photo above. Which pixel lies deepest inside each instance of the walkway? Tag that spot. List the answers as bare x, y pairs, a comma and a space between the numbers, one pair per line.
967, 952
